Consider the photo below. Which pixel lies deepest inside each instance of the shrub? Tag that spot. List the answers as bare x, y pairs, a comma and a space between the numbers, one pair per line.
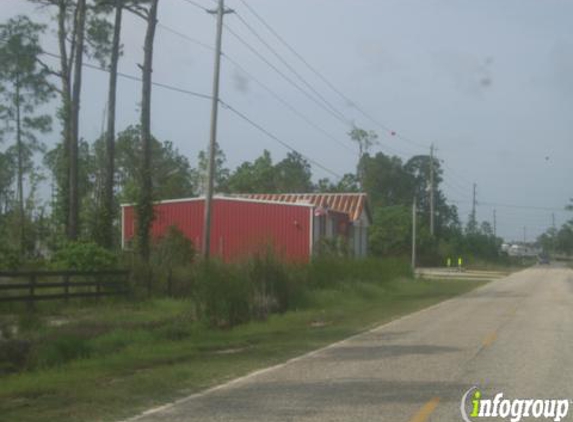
174, 248
222, 294
61, 350
84, 256
13, 355
171, 259
9, 258
273, 287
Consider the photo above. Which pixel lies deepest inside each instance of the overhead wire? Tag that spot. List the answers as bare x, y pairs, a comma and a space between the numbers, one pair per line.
263, 85
275, 95
197, 5
203, 96
293, 70
338, 91
277, 139
284, 76
317, 98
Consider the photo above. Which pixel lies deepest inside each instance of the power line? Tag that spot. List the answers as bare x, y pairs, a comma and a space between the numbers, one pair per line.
277, 139
514, 206
186, 37
276, 69
289, 106
327, 81
293, 70
137, 79
284, 76
273, 93
326, 107
285, 103
204, 96
197, 5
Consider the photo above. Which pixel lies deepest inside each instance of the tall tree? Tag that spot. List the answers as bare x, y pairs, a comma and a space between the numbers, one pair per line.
386, 180
74, 206
255, 177
171, 174
293, 174
99, 31
73, 18
145, 202
23, 87
365, 140
221, 172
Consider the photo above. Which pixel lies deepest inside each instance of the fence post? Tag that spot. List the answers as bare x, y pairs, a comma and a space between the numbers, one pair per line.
32, 291
98, 286
67, 287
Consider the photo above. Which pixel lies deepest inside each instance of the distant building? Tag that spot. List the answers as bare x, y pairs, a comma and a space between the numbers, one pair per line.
293, 225
521, 250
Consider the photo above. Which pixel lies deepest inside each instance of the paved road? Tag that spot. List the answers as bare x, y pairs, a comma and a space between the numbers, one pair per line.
514, 336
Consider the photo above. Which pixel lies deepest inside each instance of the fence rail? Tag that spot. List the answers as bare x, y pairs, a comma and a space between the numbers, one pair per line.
93, 284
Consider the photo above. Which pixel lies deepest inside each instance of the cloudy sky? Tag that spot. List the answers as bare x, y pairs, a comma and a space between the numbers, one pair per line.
489, 82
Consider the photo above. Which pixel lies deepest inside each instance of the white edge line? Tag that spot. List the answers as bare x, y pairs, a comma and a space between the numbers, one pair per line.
255, 373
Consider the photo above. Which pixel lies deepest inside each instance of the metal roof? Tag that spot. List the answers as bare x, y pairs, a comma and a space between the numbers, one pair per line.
353, 204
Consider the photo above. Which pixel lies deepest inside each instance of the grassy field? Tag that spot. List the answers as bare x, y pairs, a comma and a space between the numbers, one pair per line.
111, 361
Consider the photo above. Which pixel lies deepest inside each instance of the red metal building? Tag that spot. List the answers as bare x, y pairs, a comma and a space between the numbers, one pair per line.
245, 224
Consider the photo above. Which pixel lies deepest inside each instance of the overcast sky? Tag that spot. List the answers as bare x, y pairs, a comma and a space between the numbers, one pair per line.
489, 82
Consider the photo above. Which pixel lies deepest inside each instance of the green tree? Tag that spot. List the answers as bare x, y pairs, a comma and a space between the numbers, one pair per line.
172, 176
256, 177
348, 183
24, 87
79, 33
386, 180
199, 175
391, 231
55, 161
293, 174
365, 140
100, 30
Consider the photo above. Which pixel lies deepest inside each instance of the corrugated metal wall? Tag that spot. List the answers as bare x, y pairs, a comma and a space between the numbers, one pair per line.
240, 228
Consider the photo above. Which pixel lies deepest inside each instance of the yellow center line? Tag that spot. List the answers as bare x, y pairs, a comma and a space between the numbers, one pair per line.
426, 410
488, 341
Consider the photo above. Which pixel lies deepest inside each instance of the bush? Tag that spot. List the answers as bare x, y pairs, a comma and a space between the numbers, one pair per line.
171, 259
274, 288
9, 258
222, 294
84, 256
13, 355
61, 350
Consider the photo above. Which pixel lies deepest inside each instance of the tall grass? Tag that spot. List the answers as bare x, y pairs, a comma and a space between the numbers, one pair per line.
222, 296
230, 294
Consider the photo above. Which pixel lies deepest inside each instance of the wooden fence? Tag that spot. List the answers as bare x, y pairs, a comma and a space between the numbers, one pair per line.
31, 286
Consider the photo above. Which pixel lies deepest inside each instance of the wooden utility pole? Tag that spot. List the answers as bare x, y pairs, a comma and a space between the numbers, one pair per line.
474, 203
495, 222
220, 12
553, 220
432, 189
414, 211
